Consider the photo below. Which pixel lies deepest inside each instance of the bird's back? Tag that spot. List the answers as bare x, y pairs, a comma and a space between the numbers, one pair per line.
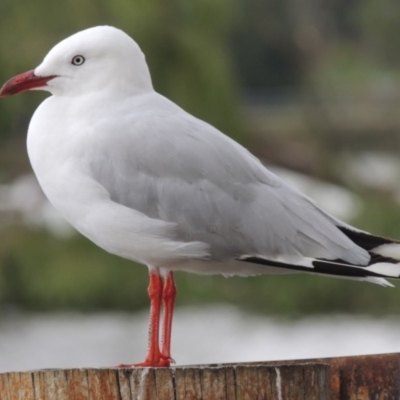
170, 166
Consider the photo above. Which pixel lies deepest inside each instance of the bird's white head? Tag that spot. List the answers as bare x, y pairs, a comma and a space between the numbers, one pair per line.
99, 58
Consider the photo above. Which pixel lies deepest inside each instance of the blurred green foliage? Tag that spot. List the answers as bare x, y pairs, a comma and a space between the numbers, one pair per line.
185, 43
204, 54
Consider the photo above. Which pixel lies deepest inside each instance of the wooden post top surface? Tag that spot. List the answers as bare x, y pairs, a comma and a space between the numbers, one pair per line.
360, 377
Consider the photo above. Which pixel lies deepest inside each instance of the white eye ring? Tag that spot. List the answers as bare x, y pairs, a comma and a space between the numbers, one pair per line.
78, 60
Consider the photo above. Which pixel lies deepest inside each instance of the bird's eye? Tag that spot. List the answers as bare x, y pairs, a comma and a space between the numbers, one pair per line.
78, 60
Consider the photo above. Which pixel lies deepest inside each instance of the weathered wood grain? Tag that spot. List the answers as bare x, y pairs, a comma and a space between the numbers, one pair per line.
370, 377
240, 382
375, 377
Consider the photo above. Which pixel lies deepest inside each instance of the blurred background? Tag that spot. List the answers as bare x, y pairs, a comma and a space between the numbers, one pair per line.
310, 87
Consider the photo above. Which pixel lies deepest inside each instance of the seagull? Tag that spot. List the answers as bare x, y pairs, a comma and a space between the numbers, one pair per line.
145, 180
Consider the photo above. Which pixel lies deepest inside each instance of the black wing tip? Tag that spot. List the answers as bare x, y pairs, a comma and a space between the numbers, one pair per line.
366, 240
336, 268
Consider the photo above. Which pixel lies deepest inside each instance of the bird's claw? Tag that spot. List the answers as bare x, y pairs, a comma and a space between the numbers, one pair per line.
162, 362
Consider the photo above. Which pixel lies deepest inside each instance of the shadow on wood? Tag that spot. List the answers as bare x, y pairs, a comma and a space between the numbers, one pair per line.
361, 378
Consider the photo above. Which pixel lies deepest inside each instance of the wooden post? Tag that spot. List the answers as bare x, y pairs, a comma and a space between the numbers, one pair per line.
372, 377
347, 378
303, 381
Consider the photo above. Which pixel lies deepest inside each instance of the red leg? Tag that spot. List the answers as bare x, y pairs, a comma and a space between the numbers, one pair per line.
154, 357
168, 297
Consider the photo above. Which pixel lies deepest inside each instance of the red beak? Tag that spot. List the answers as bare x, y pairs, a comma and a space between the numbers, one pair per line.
26, 81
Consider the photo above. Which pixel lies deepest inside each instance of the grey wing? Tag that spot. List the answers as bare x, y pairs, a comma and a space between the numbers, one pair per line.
176, 168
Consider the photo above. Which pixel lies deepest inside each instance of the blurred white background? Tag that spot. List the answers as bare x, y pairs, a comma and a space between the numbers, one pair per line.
216, 334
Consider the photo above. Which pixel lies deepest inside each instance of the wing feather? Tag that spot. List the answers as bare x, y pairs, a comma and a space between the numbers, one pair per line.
179, 169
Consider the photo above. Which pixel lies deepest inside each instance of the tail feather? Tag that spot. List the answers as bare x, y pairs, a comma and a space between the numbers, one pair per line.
384, 262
